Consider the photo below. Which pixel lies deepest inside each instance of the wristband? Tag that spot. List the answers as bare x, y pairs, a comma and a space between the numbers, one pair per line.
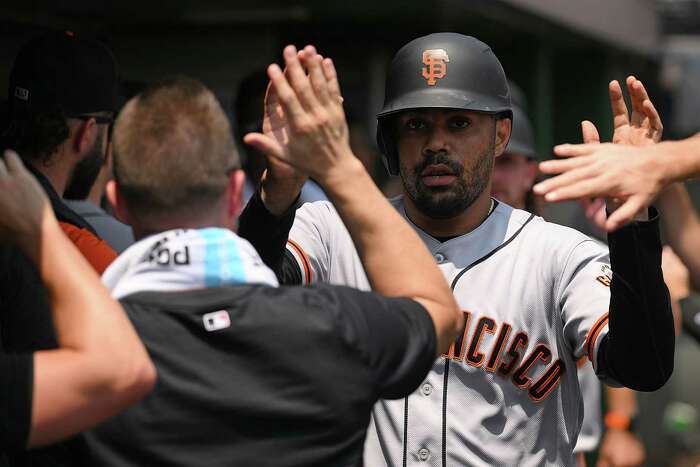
619, 421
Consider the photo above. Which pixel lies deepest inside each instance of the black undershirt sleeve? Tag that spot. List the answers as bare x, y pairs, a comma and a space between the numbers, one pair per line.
15, 400
268, 234
638, 350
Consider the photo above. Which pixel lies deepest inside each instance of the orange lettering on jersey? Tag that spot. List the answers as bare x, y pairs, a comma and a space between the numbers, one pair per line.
474, 357
498, 347
541, 352
519, 341
547, 382
605, 280
435, 61
532, 371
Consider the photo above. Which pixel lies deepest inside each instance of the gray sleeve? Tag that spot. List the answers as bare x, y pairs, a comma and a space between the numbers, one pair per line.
584, 297
310, 240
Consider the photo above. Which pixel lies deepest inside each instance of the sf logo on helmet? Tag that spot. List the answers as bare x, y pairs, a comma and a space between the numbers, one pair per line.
435, 61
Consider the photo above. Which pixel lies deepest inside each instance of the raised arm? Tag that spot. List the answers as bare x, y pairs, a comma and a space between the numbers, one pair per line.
640, 318
101, 366
316, 142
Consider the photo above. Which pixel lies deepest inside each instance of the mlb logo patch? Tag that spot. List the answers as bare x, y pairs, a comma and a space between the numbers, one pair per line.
216, 320
21, 93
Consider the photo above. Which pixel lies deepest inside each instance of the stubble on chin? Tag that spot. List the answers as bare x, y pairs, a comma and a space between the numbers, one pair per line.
450, 201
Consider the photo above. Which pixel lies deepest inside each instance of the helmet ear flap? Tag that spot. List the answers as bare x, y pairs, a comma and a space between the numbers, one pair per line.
388, 148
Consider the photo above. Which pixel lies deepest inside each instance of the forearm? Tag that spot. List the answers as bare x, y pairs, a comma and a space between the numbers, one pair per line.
622, 400
638, 350
390, 249
682, 228
267, 232
100, 366
679, 160
280, 194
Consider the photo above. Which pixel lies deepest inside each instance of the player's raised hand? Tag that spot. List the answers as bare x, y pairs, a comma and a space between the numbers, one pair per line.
280, 183
627, 184
609, 170
24, 206
311, 132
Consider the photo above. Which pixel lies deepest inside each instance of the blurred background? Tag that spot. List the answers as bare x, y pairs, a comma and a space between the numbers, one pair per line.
560, 53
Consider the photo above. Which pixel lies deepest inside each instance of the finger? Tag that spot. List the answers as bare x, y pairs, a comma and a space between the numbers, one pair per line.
574, 150
286, 96
554, 184
264, 144
654, 118
298, 79
637, 95
271, 104
13, 162
563, 165
577, 184
589, 132
3, 168
617, 105
318, 80
332, 79
624, 214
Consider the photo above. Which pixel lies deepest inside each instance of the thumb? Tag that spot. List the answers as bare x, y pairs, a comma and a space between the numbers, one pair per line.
589, 132
264, 144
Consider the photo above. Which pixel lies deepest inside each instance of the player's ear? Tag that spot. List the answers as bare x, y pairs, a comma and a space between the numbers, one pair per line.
503, 129
117, 201
235, 193
530, 172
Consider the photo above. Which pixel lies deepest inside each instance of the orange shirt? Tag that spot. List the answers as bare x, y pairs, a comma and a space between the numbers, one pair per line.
98, 253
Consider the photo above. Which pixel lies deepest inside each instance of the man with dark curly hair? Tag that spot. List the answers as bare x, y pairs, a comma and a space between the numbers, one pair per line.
62, 98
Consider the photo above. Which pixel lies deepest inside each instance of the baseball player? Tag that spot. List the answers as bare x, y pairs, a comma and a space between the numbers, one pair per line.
536, 296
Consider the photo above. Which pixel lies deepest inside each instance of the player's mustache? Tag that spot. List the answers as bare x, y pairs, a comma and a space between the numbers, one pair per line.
440, 158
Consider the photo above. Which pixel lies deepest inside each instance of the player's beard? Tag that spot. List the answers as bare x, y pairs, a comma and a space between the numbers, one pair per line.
86, 171
449, 201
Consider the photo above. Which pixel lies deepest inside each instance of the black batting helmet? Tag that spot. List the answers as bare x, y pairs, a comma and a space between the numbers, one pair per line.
522, 140
443, 70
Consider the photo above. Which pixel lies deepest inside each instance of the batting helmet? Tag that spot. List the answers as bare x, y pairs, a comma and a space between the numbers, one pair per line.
522, 140
442, 70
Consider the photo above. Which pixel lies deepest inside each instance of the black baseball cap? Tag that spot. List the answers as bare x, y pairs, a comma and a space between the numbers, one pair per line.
59, 70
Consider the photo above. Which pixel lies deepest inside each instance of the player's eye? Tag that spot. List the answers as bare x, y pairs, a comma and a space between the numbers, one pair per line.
416, 124
460, 122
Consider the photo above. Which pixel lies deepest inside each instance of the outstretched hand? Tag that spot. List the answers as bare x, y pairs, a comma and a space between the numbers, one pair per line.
24, 206
305, 123
606, 170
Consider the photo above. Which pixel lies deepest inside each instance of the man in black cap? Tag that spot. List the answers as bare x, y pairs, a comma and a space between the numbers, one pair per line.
62, 97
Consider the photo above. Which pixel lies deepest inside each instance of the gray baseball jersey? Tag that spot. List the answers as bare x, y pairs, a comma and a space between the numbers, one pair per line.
592, 425
535, 297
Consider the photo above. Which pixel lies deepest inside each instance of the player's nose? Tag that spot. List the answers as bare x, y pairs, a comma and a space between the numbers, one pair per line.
437, 141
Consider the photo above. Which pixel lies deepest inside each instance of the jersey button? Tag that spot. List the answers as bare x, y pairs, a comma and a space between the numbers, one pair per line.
427, 389
423, 454
439, 257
